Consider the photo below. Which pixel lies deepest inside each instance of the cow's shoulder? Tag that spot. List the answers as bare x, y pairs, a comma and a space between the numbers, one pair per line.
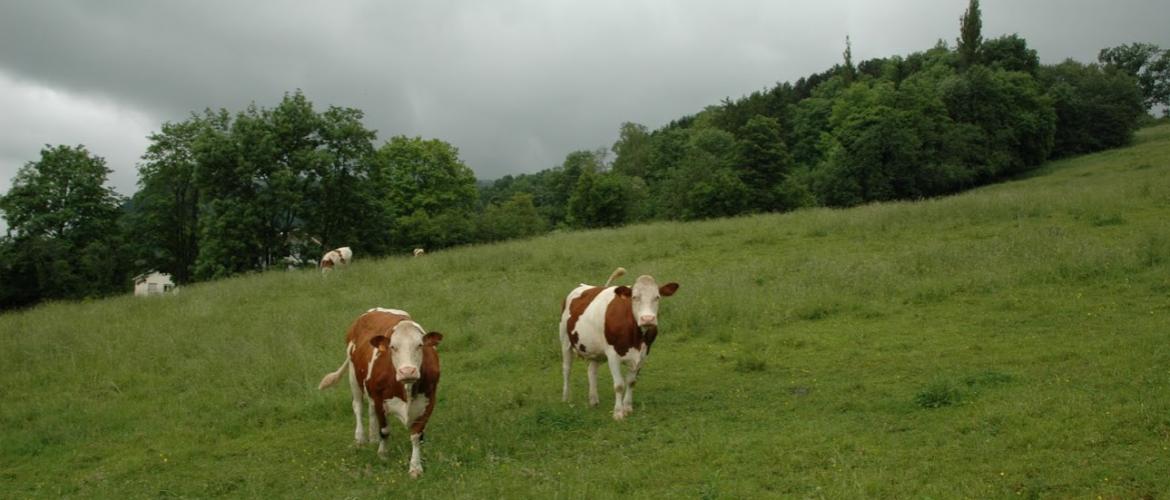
621, 330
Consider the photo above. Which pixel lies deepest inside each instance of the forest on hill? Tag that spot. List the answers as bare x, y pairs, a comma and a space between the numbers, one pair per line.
225, 192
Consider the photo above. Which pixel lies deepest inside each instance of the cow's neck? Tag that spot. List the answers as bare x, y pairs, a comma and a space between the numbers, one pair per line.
647, 336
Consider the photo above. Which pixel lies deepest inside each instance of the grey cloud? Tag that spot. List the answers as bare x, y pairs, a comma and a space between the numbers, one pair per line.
514, 85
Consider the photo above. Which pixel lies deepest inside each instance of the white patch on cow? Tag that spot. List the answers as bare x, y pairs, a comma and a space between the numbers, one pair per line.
370, 368
398, 312
407, 412
415, 455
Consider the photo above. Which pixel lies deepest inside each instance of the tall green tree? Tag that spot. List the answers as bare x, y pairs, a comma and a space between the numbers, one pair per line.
1147, 63
566, 177
849, 71
875, 148
1010, 52
1014, 118
63, 239
431, 193
516, 217
632, 150
343, 185
235, 162
970, 35
763, 162
600, 199
1095, 108
704, 183
286, 181
164, 218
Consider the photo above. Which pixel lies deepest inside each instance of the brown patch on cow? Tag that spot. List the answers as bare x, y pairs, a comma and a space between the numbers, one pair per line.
576, 308
621, 330
326, 263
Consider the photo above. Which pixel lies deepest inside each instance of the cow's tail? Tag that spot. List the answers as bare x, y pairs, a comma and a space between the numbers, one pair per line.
332, 378
617, 273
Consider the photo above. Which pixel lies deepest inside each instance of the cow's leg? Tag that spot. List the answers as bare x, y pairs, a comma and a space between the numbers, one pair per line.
359, 396
593, 399
619, 385
415, 455
371, 421
383, 430
566, 366
628, 400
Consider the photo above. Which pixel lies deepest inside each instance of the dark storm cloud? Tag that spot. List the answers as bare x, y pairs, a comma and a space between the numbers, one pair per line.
514, 85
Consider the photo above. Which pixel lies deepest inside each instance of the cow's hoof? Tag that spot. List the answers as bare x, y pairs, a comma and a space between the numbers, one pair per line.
619, 415
415, 473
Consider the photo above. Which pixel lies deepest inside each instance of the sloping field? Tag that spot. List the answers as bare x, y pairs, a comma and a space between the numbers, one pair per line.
1012, 340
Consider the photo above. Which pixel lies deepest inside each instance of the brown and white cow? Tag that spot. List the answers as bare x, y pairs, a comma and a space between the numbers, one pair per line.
335, 258
394, 368
617, 324
418, 252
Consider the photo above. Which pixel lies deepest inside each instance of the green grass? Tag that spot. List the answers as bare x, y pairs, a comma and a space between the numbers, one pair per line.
1011, 341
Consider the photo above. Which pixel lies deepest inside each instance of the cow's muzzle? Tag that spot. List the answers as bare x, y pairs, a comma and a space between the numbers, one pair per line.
408, 374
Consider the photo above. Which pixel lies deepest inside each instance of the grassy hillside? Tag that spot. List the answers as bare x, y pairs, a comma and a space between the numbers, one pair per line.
1009, 341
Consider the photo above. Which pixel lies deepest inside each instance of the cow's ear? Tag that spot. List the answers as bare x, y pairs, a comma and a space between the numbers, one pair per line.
379, 342
668, 289
432, 339
623, 290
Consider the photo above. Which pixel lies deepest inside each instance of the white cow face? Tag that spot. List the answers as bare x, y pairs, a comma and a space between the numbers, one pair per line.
644, 296
406, 349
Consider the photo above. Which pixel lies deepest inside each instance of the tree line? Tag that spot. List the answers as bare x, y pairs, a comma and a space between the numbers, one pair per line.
224, 193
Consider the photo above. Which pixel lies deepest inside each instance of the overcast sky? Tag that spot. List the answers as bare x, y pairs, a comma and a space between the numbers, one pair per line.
515, 85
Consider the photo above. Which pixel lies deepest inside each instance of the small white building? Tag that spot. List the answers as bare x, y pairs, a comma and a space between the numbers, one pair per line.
152, 283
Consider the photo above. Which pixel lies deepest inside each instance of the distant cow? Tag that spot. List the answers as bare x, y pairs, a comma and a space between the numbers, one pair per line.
418, 252
614, 323
335, 258
394, 368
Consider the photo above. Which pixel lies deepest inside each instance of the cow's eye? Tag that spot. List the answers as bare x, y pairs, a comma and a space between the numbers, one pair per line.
394, 348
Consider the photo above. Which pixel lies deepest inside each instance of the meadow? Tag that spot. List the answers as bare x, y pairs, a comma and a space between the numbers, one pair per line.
1010, 341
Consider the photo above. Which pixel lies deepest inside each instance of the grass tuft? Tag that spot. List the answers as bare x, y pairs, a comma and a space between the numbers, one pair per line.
937, 395
750, 364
